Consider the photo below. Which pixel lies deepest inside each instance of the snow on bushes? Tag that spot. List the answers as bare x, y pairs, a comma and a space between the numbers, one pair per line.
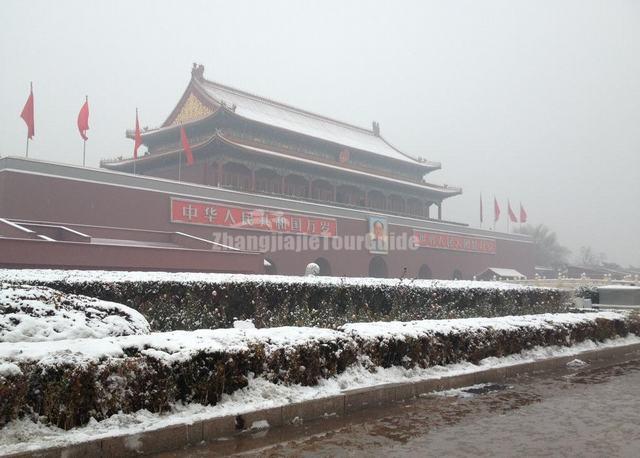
35, 313
66, 383
172, 301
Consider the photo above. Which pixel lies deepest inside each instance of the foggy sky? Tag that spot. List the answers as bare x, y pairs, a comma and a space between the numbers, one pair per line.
536, 101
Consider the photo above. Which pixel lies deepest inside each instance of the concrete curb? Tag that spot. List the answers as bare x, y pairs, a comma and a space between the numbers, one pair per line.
350, 401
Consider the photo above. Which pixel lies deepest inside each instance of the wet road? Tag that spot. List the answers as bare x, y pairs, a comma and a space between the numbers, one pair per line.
585, 412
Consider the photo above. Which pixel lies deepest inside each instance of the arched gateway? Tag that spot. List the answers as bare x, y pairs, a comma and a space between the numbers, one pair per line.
378, 268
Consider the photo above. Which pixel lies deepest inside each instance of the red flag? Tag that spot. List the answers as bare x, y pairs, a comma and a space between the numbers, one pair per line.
496, 210
512, 215
27, 115
137, 138
481, 219
523, 214
83, 120
186, 146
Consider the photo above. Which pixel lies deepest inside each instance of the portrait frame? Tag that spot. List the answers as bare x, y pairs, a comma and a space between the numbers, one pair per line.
378, 235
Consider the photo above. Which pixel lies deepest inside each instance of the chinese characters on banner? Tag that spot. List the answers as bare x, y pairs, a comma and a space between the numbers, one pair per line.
213, 214
454, 242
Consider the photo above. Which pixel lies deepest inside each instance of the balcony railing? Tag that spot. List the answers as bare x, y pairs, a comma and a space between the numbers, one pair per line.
343, 205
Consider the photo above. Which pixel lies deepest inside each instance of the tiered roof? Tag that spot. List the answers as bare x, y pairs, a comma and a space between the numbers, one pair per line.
279, 115
214, 97
204, 100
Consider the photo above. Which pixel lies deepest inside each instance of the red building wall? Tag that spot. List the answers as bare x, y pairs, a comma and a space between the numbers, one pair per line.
58, 199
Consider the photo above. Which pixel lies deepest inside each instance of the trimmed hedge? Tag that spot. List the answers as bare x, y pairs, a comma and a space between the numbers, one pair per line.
180, 305
69, 394
37, 313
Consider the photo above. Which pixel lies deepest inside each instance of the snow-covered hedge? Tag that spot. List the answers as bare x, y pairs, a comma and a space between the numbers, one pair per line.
36, 313
172, 301
69, 382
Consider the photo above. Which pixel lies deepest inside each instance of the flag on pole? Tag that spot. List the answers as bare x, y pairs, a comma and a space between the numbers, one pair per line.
186, 146
27, 115
523, 214
481, 218
83, 120
496, 210
137, 138
512, 215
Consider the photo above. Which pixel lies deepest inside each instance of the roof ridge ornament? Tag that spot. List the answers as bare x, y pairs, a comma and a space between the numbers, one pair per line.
376, 128
197, 71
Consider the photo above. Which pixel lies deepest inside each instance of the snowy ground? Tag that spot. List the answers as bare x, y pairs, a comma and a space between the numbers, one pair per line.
80, 276
24, 435
36, 314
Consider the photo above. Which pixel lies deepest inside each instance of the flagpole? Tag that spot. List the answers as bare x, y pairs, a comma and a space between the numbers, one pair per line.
135, 151
520, 219
480, 210
29, 126
493, 226
84, 140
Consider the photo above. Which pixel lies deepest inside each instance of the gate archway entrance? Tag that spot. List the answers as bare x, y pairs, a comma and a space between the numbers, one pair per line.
378, 268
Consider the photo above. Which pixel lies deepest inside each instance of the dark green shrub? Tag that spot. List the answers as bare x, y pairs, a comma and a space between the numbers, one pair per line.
170, 305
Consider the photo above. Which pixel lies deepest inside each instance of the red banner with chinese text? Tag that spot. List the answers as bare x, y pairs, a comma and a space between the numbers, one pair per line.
213, 214
454, 242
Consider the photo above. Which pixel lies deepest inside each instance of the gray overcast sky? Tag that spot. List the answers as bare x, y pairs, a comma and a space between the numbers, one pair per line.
536, 101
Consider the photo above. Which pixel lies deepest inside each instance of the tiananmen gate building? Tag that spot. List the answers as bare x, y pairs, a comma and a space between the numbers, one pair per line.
271, 189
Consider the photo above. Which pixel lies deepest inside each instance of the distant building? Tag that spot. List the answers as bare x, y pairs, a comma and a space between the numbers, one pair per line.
496, 273
598, 272
546, 272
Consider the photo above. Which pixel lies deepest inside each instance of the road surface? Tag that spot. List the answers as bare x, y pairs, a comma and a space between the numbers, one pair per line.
575, 412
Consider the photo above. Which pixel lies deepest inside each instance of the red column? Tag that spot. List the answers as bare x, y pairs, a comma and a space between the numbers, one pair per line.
219, 174
205, 170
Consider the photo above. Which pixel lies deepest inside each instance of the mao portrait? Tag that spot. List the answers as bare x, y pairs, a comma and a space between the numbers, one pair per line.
378, 236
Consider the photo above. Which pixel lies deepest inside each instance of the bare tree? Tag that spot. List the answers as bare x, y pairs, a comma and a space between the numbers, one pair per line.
548, 252
588, 257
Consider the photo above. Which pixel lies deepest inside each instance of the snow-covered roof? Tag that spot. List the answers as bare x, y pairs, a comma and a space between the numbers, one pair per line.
262, 110
619, 288
505, 273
